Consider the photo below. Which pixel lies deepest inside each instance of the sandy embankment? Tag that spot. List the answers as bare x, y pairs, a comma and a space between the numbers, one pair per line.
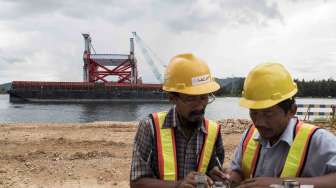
77, 155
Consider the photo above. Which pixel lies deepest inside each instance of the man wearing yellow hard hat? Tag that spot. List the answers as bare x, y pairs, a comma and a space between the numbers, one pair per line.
171, 148
278, 146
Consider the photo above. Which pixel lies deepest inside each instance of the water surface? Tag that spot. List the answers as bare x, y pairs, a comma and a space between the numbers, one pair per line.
226, 107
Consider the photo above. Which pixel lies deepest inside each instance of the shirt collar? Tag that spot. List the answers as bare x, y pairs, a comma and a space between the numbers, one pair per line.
287, 136
173, 121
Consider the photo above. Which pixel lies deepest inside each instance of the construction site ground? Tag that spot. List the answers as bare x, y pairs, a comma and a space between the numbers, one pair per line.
79, 155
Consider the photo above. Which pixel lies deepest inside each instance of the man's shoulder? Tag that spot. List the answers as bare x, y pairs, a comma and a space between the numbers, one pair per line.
323, 140
147, 118
144, 131
146, 121
323, 133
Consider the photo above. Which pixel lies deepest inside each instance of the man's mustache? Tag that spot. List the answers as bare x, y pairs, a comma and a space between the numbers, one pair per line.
197, 112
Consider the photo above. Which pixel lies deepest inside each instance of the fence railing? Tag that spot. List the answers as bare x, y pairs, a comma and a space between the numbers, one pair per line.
328, 112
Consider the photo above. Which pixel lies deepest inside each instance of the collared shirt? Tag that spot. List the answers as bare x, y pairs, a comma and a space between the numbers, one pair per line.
144, 161
321, 157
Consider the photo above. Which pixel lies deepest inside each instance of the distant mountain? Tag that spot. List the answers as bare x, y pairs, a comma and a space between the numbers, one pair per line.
228, 81
5, 87
230, 86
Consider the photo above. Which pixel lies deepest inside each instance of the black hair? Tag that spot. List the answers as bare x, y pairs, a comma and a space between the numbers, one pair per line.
174, 93
287, 104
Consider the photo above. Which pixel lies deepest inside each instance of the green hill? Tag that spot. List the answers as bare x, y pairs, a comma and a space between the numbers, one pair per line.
230, 86
5, 87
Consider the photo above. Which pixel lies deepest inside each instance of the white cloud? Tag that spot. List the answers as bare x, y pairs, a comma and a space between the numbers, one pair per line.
40, 39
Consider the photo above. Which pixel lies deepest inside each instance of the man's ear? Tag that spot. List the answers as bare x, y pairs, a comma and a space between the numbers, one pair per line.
172, 97
292, 110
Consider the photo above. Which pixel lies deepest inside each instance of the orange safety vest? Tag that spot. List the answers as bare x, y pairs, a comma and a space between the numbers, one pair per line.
295, 158
166, 147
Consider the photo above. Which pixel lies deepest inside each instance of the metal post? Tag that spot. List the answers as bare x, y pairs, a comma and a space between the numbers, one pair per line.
87, 52
333, 108
134, 70
87, 40
308, 110
132, 46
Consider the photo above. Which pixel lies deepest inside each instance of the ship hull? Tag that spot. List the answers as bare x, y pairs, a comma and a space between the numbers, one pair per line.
79, 92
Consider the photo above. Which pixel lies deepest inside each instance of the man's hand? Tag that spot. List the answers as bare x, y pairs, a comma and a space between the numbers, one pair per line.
259, 182
227, 176
217, 174
190, 182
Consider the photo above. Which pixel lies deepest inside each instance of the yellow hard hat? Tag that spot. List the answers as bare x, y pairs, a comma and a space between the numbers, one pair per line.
187, 74
267, 85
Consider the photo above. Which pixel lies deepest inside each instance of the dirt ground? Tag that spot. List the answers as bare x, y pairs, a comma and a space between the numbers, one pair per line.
78, 155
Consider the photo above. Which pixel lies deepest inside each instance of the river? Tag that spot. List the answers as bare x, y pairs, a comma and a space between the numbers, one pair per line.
223, 107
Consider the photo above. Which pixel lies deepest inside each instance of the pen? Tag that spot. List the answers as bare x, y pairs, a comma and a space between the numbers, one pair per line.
226, 180
219, 164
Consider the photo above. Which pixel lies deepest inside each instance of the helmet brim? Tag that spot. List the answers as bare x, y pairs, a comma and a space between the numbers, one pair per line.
196, 90
262, 104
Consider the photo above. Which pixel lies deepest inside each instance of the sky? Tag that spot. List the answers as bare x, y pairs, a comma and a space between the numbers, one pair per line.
41, 40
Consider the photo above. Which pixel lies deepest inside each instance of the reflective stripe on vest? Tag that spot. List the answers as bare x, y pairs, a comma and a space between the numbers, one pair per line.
251, 150
166, 149
298, 151
210, 139
295, 158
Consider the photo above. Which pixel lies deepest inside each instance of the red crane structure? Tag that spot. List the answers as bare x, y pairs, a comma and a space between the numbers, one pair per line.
106, 78
120, 68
